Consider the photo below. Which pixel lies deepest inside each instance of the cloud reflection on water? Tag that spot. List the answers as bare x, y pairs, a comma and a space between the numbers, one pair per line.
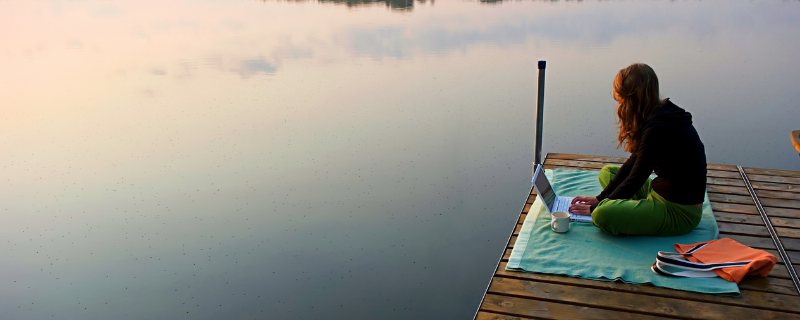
584, 25
399, 5
350, 158
256, 66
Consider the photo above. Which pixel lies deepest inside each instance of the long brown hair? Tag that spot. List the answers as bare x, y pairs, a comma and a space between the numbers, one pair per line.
636, 91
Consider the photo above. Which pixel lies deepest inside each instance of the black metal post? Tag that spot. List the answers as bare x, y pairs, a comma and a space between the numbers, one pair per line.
537, 154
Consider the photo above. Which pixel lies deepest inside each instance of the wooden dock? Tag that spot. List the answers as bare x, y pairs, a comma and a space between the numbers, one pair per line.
518, 295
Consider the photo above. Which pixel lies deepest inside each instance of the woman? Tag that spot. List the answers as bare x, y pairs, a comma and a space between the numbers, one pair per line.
660, 137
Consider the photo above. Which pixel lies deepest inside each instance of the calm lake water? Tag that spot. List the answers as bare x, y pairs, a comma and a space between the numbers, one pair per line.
331, 160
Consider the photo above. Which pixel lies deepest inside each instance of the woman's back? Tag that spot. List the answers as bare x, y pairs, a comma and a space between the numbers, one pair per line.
679, 159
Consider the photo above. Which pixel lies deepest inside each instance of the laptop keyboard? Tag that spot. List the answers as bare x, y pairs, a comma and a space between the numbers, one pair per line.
562, 204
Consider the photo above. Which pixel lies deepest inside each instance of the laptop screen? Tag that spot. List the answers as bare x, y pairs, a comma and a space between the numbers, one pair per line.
544, 189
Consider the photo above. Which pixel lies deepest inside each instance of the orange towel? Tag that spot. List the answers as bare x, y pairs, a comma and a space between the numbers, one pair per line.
728, 250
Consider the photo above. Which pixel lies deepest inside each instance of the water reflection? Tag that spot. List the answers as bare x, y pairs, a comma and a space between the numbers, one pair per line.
255, 66
393, 4
399, 5
308, 160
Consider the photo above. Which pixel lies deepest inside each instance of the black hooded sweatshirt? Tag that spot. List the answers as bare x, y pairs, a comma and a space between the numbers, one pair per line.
671, 147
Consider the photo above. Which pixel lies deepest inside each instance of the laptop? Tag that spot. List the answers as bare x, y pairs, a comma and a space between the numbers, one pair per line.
551, 200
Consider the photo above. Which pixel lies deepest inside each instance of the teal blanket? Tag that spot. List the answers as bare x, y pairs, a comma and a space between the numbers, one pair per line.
585, 251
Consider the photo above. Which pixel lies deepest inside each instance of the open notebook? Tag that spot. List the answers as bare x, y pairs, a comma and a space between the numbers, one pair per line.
551, 200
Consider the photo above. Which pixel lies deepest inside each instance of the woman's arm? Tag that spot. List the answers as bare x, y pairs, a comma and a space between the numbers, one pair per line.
621, 175
629, 179
639, 170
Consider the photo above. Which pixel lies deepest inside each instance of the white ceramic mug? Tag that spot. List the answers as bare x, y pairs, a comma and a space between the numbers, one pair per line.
560, 221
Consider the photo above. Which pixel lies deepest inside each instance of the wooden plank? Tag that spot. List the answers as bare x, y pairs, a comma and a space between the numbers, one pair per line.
522, 218
777, 194
730, 198
758, 185
742, 229
773, 179
628, 302
540, 309
779, 203
729, 217
712, 188
732, 207
751, 209
485, 315
769, 284
796, 269
531, 198
512, 241
782, 212
790, 244
785, 222
771, 172
779, 271
756, 219
766, 202
793, 256
725, 181
787, 233
725, 167
724, 174
755, 299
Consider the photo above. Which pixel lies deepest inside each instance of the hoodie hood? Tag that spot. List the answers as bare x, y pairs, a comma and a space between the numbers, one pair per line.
670, 114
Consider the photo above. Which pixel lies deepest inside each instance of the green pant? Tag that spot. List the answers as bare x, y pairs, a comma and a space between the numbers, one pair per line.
644, 214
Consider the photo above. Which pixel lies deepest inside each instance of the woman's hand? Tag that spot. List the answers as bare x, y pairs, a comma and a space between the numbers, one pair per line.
581, 209
585, 200
583, 205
